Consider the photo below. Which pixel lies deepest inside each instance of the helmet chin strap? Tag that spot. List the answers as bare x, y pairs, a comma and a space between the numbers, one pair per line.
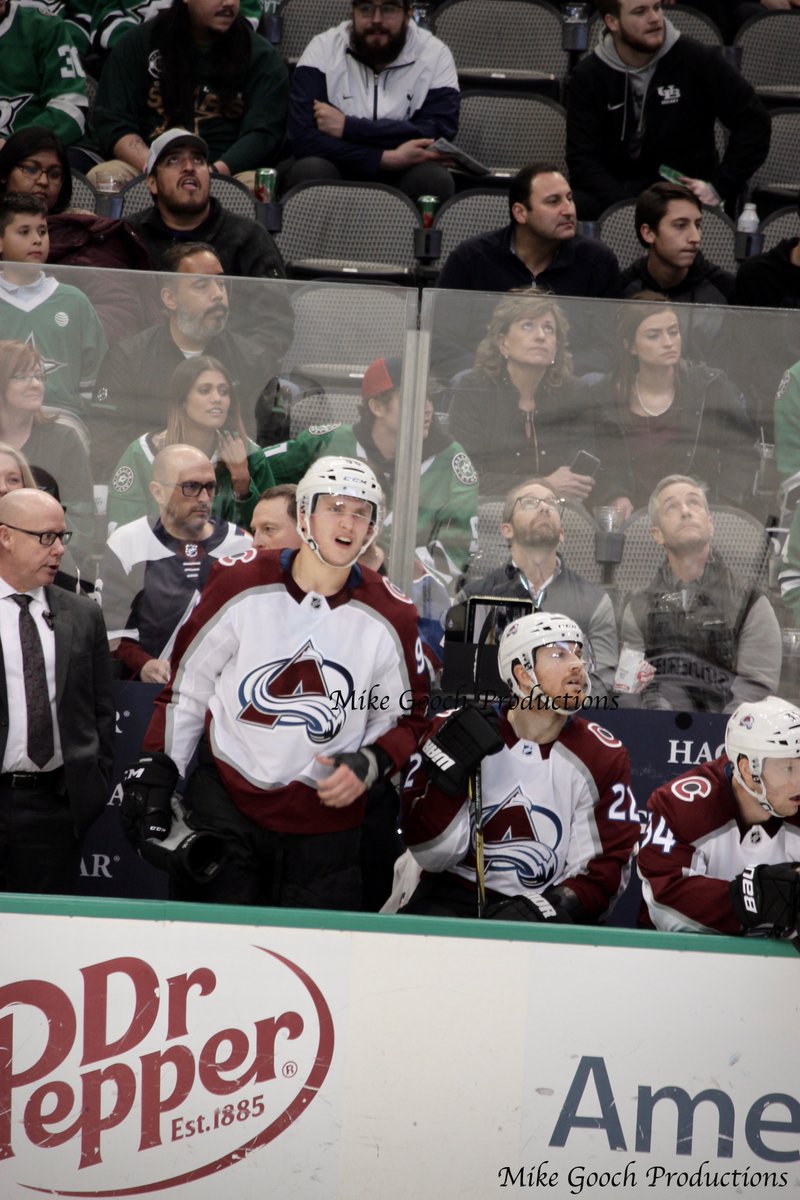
547, 701
313, 545
760, 796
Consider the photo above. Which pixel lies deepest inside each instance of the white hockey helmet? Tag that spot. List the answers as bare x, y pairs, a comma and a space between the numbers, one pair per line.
765, 729
338, 476
522, 638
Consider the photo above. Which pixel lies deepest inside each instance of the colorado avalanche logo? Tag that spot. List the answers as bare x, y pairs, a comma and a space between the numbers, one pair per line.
521, 839
306, 689
747, 721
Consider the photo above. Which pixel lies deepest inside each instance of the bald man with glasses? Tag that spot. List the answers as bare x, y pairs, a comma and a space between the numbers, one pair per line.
154, 569
367, 100
56, 703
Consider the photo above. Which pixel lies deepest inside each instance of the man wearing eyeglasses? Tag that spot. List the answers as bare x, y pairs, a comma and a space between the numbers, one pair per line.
367, 100
154, 569
532, 526
56, 703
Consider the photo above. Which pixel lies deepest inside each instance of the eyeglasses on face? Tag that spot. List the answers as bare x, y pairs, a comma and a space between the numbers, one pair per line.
193, 488
531, 503
33, 170
383, 10
28, 377
47, 538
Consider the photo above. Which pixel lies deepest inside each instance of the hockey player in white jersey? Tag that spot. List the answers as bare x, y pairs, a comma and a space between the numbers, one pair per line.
721, 851
301, 677
555, 814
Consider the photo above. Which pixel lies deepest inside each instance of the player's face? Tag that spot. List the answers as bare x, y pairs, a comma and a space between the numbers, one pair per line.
657, 342
561, 674
551, 210
781, 779
677, 239
25, 390
379, 31
340, 525
181, 181
40, 173
535, 519
273, 528
683, 519
10, 475
210, 17
531, 341
25, 239
209, 400
187, 516
200, 304
639, 25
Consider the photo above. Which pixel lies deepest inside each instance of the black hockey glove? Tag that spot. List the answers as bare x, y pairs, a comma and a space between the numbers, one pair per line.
567, 905
459, 746
767, 895
370, 764
188, 853
147, 787
526, 908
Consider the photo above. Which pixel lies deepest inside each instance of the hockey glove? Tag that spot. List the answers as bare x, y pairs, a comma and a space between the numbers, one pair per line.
459, 746
187, 853
526, 908
767, 895
369, 764
147, 788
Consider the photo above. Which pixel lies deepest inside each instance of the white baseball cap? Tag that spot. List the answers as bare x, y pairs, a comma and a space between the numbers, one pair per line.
172, 137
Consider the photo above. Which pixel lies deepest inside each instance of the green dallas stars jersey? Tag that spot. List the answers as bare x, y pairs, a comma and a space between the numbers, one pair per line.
42, 81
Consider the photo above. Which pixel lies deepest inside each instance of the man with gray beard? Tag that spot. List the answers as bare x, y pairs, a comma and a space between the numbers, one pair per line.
536, 571
130, 396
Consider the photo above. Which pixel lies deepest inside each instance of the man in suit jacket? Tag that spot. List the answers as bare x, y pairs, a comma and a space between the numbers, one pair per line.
57, 716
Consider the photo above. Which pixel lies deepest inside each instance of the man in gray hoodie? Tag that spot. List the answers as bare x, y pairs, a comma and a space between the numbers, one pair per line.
649, 96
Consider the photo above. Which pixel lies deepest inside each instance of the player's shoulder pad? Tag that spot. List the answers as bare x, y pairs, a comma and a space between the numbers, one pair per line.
697, 801
463, 469
595, 745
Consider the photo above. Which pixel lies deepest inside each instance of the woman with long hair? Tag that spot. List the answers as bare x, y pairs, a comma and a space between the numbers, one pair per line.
657, 413
202, 411
518, 412
35, 160
51, 441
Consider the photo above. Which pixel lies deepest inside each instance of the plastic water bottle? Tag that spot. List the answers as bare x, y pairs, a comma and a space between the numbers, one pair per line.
748, 238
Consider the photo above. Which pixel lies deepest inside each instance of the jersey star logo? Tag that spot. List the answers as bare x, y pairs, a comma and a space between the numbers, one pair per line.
9, 107
51, 365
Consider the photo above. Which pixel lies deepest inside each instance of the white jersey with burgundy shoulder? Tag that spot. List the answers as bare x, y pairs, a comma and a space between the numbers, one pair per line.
696, 842
278, 676
556, 813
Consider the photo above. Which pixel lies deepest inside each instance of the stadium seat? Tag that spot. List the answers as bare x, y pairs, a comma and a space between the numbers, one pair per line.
740, 538
779, 225
616, 227
232, 195
301, 20
507, 42
83, 194
780, 173
505, 130
467, 214
339, 330
770, 46
348, 229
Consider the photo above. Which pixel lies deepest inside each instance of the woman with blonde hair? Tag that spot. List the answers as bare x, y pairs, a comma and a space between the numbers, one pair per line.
202, 411
518, 412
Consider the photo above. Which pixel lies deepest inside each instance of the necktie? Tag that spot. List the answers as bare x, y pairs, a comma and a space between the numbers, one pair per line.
37, 694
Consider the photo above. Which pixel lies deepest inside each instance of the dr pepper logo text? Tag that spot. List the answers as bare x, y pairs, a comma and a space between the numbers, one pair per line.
120, 1080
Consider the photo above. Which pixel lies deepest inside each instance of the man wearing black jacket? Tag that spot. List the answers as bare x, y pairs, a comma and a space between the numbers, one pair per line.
669, 225
649, 96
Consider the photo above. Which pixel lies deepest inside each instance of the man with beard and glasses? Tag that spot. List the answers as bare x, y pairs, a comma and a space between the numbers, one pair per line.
649, 96
132, 382
536, 571
367, 100
154, 569
712, 638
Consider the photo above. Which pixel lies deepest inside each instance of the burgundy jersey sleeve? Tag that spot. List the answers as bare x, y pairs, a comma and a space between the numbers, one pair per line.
684, 816
605, 819
436, 825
